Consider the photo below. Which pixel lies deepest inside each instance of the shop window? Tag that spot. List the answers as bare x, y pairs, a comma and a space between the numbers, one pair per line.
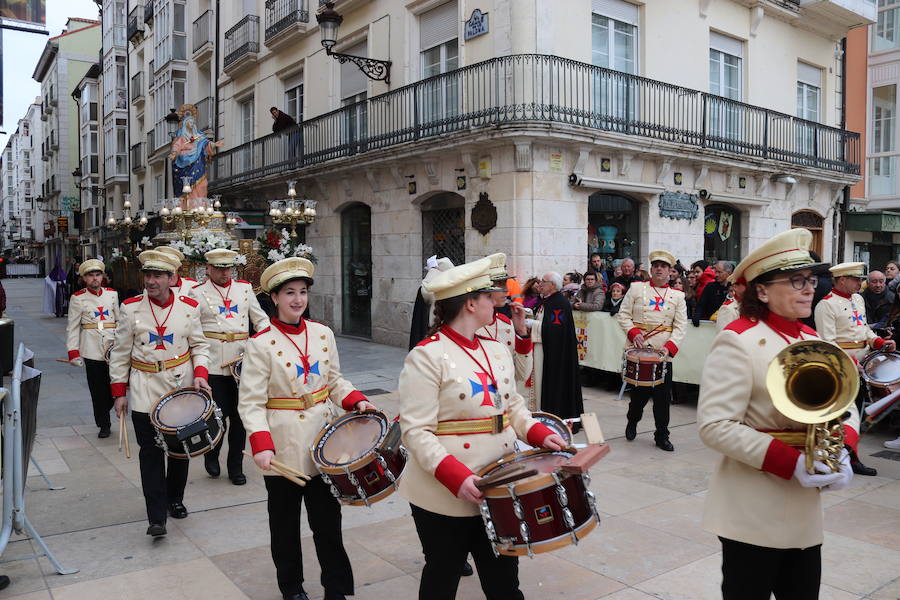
613, 222
722, 233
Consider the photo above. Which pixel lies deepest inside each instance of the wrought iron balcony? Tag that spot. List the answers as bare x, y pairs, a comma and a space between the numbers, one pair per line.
148, 12
204, 119
203, 31
283, 17
242, 41
135, 21
522, 89
137, 157
137, 87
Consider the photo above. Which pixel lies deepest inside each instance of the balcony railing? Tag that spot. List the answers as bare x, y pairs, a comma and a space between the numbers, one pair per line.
242, 39
281, 14
148, 11
203, 30
137, 86
135, 21
137, 157
204, 110
543, 89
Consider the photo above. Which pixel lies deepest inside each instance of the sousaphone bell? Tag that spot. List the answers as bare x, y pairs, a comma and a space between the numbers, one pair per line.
814, 382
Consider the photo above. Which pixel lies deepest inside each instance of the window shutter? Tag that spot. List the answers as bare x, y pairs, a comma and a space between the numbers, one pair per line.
728, 45
809, 74
438, 25
353, 80
618, 10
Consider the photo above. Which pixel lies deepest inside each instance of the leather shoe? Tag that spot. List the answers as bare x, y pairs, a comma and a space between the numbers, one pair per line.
467, 569
104, 432
334, 596
4, 582
665, 444
238, 479
297, 596
212, 465
156, 529
861, 469
630, 431
177, 510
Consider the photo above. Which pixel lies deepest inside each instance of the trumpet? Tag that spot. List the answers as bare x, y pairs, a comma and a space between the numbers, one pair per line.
814, 382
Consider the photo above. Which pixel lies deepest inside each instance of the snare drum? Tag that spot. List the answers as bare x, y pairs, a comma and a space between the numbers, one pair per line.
644, 367
540, 513
360, 457
187, 421
235, 367
555, 424
881, 369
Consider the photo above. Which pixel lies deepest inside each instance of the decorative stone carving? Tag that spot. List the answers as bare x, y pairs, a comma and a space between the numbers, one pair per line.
484, 214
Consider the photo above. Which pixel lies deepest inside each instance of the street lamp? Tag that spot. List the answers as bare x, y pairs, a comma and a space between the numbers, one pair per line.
329, 21
171, 128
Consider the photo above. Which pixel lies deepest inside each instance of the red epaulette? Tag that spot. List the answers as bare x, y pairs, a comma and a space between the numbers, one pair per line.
80, 292
132, 300
242, 281
727, 302
809, 330
827, 296
189, 301
741, 325
429, 339
198, 285
504, 318
258, 333
110, 289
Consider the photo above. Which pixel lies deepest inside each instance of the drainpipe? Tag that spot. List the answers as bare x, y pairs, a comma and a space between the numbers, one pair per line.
215, 77
840, 224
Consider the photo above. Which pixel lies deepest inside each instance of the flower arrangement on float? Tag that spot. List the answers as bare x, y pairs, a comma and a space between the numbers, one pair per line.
202, 242
277, 245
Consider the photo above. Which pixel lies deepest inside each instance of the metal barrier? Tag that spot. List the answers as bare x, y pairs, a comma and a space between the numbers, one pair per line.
19, 424
22, 270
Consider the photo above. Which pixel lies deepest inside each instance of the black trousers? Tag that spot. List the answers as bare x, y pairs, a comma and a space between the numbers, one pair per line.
323, 513
754, 572
662, 397
225, 394
445, 542
162, 483
101, 396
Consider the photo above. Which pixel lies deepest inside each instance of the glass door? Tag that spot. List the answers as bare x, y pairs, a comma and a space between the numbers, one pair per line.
356, 260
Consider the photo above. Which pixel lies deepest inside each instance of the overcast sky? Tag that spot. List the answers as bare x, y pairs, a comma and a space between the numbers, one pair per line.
21, 52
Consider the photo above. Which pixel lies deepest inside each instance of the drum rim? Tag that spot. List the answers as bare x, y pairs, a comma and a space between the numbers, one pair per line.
315, 449
560, 541
530, 484
172, 393
659, 353
354, 501
871, 380
551, 417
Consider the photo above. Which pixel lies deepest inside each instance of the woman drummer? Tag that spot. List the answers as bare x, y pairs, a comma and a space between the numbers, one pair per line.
289, 374
459, 412
762, 503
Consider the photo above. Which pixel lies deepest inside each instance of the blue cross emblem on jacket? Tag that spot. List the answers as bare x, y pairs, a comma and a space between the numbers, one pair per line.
161, 337
228, 309
314, 369
483, 386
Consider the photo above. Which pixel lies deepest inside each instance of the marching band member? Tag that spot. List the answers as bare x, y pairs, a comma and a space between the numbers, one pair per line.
93, 312
227, 307
762, 503
653, 314
841, 318
731, 308
460, 411
159, 346
182, 285
291, 373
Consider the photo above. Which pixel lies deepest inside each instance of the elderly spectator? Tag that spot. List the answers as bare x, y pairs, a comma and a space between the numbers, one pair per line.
590, 297
714, 294
614, 299
878, 300
628, 276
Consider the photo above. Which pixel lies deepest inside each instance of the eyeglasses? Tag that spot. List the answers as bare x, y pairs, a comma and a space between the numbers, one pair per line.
798, 282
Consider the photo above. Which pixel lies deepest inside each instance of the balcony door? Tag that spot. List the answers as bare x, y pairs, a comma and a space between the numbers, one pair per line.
245, 114
356, 263
614, 46
439, 54
725, 84
354, 86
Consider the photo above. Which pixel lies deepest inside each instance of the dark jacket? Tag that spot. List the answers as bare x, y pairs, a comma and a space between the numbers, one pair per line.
878, 307
714, 294
282, 122
822, 289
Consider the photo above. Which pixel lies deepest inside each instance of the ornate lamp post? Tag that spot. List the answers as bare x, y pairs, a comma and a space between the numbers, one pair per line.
201, 215
291, 211
329, 21
127, 223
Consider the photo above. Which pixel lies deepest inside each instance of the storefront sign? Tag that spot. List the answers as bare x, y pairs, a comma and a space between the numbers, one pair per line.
476, 25
678, 205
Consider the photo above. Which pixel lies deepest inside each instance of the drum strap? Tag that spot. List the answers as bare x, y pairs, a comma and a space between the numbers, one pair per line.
302, 403
103, 325
495, 424
161, 365
226, 337
852, 345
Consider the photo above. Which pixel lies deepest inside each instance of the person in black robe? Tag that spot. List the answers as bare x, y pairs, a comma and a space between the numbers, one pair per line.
559, 383
418, 328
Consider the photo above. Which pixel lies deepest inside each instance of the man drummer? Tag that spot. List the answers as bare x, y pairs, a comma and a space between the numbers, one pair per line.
159, 346
226, 308
841, 318
182, 285
93, 312
655, 315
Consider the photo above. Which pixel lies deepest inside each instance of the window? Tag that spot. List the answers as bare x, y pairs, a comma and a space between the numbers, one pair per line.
293, 97
882, 176
439, 53
886, 31
809, 84
613, 46
354, 86
245, 114
161, 192
884, 109
725, 78
179, 36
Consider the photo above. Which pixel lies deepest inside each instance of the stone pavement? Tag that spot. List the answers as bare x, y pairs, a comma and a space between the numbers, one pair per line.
649, 544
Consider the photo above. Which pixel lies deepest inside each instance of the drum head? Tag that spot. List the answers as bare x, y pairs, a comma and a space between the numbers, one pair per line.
542, 461
555, 424
351, 437
882, 368
644, 355
181, 407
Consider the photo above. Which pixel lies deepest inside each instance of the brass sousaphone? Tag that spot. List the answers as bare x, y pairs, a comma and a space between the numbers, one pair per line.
814, 382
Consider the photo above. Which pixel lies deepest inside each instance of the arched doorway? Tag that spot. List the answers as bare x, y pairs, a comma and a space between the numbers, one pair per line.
721, 233
356, 268
815, 223
613, 227
444, 227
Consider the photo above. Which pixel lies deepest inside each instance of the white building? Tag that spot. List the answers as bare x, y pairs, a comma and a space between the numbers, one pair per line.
23, 219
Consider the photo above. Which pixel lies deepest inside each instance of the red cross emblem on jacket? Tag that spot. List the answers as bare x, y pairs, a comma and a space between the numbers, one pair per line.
483, 386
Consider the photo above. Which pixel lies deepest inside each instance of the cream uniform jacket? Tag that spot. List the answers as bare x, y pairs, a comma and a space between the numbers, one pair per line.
274, 372
440, 382
147, 333
502, 330
645, 307
842, 319
753, 497
728, 312
227, 310
92, 323
183, 286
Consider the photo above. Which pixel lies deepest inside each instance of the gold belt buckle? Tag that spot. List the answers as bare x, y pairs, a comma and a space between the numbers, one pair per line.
497, 424
160, 366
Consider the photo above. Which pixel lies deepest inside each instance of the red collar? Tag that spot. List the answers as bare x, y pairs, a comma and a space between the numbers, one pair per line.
221, 286
163, 304
462, 341
290, 329
665, 285
785, 326
90, 291
838, 292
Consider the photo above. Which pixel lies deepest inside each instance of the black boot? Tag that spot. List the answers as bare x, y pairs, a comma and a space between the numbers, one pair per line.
212, 464
663, 443
631, 430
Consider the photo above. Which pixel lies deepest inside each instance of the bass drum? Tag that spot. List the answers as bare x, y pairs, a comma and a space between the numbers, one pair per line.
881, 369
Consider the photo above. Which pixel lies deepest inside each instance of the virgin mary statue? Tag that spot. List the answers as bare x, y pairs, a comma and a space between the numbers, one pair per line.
191, 151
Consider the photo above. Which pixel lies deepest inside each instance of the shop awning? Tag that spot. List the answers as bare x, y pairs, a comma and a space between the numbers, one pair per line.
886, 221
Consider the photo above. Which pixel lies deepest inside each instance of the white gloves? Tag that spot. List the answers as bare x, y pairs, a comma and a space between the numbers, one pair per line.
78, 362
846, 473
821, 479
529, 323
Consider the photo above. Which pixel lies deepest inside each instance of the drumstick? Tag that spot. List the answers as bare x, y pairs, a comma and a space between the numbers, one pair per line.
123, 437
276, 464
504, 477
63, 360
288, 476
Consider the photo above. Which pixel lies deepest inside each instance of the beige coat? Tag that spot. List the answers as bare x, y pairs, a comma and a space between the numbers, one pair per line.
227, 309
440, 382
728, 312
272, 368
842, 320
644, 308
92, 323
753, 497
137, 338
503, 331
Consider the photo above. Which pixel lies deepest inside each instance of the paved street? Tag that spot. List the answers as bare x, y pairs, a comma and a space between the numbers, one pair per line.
649, 544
